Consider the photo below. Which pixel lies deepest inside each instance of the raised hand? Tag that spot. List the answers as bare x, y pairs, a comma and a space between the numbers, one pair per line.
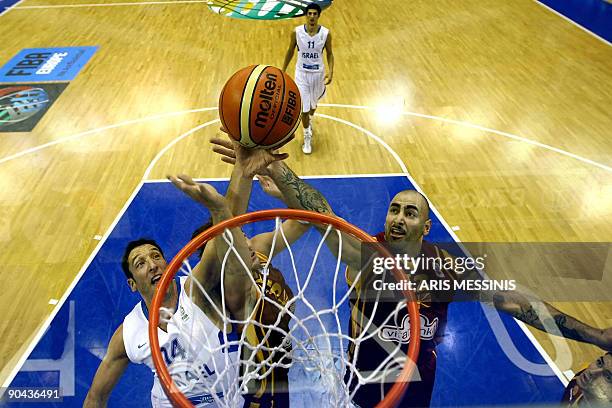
253, 161
269, 186
200, 192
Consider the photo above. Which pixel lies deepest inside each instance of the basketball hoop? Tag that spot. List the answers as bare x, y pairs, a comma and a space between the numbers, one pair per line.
391, 399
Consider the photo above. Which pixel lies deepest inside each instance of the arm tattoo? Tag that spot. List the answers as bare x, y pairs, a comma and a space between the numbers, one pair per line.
566, 327
529, 316
543, 316
569, 332
307, 197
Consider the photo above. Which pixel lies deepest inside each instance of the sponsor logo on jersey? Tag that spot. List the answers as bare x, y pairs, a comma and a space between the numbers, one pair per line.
183, 314
401, 333
264, 9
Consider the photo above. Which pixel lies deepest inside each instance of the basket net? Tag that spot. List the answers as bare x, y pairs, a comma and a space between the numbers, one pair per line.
307, 333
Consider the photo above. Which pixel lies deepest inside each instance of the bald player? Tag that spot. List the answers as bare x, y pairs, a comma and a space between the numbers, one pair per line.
407, 223
591, 387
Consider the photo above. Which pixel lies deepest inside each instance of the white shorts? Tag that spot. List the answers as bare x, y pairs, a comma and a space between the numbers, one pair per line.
311, 86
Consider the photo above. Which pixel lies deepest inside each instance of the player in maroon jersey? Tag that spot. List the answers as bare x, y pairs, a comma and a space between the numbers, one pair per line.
407, 223
591, 387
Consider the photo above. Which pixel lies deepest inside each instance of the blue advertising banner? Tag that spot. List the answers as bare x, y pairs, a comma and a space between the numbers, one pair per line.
46, 64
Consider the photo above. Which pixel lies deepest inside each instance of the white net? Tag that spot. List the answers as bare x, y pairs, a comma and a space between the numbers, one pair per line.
293, 344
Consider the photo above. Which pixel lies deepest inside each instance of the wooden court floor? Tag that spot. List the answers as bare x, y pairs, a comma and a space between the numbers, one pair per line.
473, 68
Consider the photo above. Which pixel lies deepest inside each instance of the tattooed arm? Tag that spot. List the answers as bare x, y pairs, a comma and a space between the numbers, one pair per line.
297, 193
300, 195
543, 316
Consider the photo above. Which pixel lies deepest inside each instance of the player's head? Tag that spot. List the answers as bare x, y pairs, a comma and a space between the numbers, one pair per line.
596, 380
143, 264
407, 217
254, 259
313, 12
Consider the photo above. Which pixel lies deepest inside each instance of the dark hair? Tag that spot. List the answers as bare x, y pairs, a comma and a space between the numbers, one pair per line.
200, 230
313, 6
125, 265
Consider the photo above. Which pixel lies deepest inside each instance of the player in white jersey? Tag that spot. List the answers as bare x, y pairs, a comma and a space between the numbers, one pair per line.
194, 367
310, 76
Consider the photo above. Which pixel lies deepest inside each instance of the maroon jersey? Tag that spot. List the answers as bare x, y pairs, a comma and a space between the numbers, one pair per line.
273, 390
390, 324
573, 393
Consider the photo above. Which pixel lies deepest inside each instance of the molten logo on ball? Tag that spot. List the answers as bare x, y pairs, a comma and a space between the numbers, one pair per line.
259, 106
269, 93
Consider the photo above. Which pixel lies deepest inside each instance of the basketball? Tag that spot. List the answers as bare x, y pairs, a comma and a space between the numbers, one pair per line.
260, 106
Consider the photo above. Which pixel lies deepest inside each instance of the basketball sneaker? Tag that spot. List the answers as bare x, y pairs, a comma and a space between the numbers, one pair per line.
306, 147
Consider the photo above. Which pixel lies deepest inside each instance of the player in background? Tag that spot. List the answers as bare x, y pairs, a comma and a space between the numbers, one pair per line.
407, 224
310, 40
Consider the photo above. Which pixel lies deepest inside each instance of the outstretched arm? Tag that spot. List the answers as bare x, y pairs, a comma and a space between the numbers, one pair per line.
544, 316
110, 370
299, 194
246, 164
237, 285
239, 191
292, 229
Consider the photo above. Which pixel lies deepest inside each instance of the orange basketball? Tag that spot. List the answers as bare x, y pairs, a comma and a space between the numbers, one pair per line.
260, 106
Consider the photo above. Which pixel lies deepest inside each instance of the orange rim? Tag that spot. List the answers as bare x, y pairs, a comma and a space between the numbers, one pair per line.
396, 392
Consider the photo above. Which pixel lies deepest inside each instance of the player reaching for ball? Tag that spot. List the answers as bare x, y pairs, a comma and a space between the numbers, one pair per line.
203, 375
311, 39
406, 226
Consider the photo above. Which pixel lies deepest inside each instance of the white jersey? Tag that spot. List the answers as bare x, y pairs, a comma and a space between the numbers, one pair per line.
186, 347
310, 49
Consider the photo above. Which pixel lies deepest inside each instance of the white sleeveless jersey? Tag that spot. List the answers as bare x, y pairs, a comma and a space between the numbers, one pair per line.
186, 347
310, 49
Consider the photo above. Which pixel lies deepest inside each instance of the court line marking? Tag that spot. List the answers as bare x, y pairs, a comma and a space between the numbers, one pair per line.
172, 143
563, 16
36, 339
143, 3
99, 130
332, 105
9, 8
45, 325
322, 176
138, 3
484, 129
